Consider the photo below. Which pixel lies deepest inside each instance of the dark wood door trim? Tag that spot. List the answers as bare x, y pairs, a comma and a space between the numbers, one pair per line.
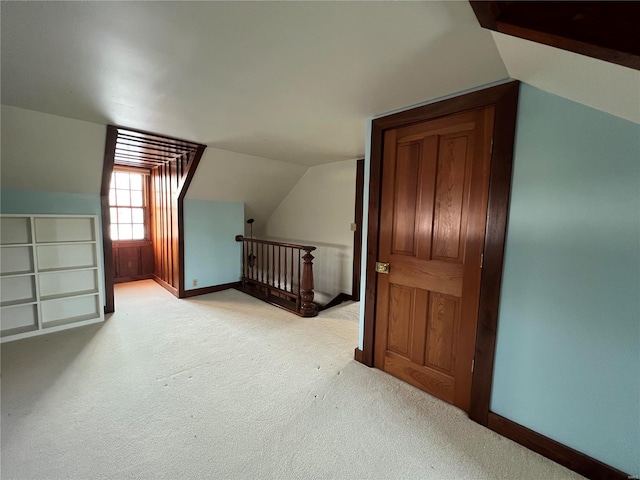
357, 235
183, 192
107, 247
505, 99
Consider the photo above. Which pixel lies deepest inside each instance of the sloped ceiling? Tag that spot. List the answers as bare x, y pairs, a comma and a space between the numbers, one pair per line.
601, 85
290, 81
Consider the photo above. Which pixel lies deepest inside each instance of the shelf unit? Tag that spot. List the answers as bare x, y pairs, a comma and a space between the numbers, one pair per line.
50, 274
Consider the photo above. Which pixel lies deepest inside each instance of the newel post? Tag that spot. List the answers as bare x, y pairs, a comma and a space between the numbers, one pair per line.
307, 308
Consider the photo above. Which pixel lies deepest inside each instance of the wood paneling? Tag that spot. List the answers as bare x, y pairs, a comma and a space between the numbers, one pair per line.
172, 163
132, 261
169, 182
164, 230
128, 263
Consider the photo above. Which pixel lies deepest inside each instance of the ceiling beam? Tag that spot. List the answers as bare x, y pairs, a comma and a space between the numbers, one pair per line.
599, 29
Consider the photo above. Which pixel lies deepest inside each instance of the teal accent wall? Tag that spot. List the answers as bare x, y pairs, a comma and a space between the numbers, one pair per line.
49, 203
212, 256
53, 203
568, 350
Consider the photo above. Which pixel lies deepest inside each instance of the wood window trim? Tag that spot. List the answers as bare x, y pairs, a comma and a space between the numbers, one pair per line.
504, 98
146, 195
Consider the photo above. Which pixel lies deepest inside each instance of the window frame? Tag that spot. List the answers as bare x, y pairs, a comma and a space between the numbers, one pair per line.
146, 207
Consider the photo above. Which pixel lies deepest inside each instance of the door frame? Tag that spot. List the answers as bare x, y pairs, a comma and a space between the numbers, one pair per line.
357, 234
505, 100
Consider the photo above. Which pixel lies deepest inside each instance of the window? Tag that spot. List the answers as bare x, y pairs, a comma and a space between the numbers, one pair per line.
128, 201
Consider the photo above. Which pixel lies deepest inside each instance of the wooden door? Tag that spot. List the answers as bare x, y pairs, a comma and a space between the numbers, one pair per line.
435, 177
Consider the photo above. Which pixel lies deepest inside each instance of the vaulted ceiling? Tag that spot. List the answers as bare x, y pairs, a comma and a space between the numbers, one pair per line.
290, 81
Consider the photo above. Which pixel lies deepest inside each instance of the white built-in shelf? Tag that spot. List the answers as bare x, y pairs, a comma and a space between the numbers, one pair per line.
62, 243
84, 293
64, 230
17, 274
17, 303
15, 230
67, 269
49, 274
16, 260
68, 321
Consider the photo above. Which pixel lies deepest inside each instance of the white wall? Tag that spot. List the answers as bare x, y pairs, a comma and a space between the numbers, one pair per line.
598, 84
319, 211
50, 153
260, 183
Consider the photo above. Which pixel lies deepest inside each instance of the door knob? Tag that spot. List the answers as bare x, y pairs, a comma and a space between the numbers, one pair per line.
382, 267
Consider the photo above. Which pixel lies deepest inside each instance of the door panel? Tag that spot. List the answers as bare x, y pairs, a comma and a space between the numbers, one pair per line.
400, 312
432, 219
405, 205
133, 262
449, 198
442, 323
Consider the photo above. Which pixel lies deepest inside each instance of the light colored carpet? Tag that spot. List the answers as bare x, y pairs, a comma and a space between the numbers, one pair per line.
225, 386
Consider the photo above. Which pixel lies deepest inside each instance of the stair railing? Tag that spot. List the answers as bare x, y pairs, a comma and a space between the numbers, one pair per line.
279, 273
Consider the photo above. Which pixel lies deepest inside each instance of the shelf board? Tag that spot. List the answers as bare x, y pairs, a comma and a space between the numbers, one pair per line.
68, 269
17, 245
84, 293
67, 321
17, 274
18, 330
73, 242
19, 303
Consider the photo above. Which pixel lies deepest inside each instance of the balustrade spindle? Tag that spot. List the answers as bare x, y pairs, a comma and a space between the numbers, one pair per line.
279, 264
262, 263
299, 282
244, 262
291, 288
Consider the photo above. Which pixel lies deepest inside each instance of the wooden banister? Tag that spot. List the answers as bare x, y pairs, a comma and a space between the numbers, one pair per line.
279, 273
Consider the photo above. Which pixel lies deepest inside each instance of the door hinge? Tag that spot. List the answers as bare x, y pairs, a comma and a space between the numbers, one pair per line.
491, 150
481, 260
473, 364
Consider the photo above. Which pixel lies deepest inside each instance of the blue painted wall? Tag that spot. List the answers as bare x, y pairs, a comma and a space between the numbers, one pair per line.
568, 350
54, 203
50, 203
212, 256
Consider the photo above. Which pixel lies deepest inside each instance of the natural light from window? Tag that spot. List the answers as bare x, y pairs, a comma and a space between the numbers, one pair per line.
127, 201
